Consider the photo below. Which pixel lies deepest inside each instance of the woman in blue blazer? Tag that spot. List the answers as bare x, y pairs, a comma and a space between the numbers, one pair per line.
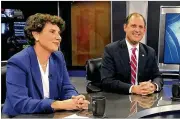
37, 78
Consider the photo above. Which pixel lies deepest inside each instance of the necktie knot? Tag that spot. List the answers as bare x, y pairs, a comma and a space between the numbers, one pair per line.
134, 50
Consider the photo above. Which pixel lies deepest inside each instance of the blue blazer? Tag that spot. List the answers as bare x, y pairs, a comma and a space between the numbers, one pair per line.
24, 85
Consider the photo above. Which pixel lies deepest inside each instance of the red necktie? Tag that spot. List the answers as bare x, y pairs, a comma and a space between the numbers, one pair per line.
133, 66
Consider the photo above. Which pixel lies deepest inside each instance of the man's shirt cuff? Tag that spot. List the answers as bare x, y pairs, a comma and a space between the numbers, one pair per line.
157, 88
130, 89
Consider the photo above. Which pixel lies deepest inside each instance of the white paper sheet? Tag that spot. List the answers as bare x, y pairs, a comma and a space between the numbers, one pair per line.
75, 116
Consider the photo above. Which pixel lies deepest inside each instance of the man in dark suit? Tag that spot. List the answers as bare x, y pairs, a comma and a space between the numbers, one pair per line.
129, 66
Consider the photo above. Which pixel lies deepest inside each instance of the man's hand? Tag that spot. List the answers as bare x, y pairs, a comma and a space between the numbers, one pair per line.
80, 100
137, 89
144, 88
149, 86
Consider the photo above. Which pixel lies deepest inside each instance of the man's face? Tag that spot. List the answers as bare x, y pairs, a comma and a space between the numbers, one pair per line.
135, 29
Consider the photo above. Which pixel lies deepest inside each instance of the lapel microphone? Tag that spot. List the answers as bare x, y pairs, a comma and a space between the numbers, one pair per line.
50, 76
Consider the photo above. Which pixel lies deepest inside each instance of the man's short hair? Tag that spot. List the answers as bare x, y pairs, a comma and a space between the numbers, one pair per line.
134, 14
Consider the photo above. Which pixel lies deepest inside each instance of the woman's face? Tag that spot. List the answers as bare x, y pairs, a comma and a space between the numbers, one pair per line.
49, 38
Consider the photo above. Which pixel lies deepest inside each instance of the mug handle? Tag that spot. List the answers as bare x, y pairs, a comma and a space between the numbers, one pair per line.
94, 106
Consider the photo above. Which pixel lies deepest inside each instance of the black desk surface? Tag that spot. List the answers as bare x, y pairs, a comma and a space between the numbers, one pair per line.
119, 106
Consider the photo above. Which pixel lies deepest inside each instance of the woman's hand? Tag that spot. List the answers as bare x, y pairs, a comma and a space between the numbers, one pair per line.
81, 101
69, 104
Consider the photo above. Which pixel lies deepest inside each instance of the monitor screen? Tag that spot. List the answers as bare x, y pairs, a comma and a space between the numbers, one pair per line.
9, 13
19, 28
172, 39
4, 28
12, 13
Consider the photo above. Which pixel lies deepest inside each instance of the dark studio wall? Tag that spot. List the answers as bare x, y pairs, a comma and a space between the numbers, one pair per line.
51, 7
28, 8
65, 13
32, 7
118, 17
153, 21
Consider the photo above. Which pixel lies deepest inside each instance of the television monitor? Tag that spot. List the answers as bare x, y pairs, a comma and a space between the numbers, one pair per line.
9, 13
172, 39
19, 28
4, 28
18, 14
3, 15
2, 12
12, 13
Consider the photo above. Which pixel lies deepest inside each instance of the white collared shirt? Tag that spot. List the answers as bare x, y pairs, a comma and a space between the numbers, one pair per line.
45, 79
129, 46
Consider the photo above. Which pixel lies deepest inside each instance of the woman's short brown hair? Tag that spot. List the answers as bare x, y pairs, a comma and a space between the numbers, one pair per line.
37, 22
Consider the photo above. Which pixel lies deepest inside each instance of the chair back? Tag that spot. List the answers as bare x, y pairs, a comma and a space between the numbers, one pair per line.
3, 84
3, 63
93, 75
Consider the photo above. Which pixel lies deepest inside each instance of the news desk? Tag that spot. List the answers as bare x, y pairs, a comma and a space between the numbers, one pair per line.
127, 106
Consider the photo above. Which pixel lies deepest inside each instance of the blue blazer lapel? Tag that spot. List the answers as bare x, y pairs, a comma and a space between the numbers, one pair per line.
52, 77
35, 71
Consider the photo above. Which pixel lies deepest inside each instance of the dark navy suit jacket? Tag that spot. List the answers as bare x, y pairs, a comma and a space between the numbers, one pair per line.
116, 71
24, 84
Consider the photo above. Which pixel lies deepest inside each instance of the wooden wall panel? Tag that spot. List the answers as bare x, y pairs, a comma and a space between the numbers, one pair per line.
91, 30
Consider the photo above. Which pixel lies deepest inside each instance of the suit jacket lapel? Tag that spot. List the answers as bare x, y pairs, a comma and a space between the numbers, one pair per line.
52, 77
142, 60
35, 71
125, 55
